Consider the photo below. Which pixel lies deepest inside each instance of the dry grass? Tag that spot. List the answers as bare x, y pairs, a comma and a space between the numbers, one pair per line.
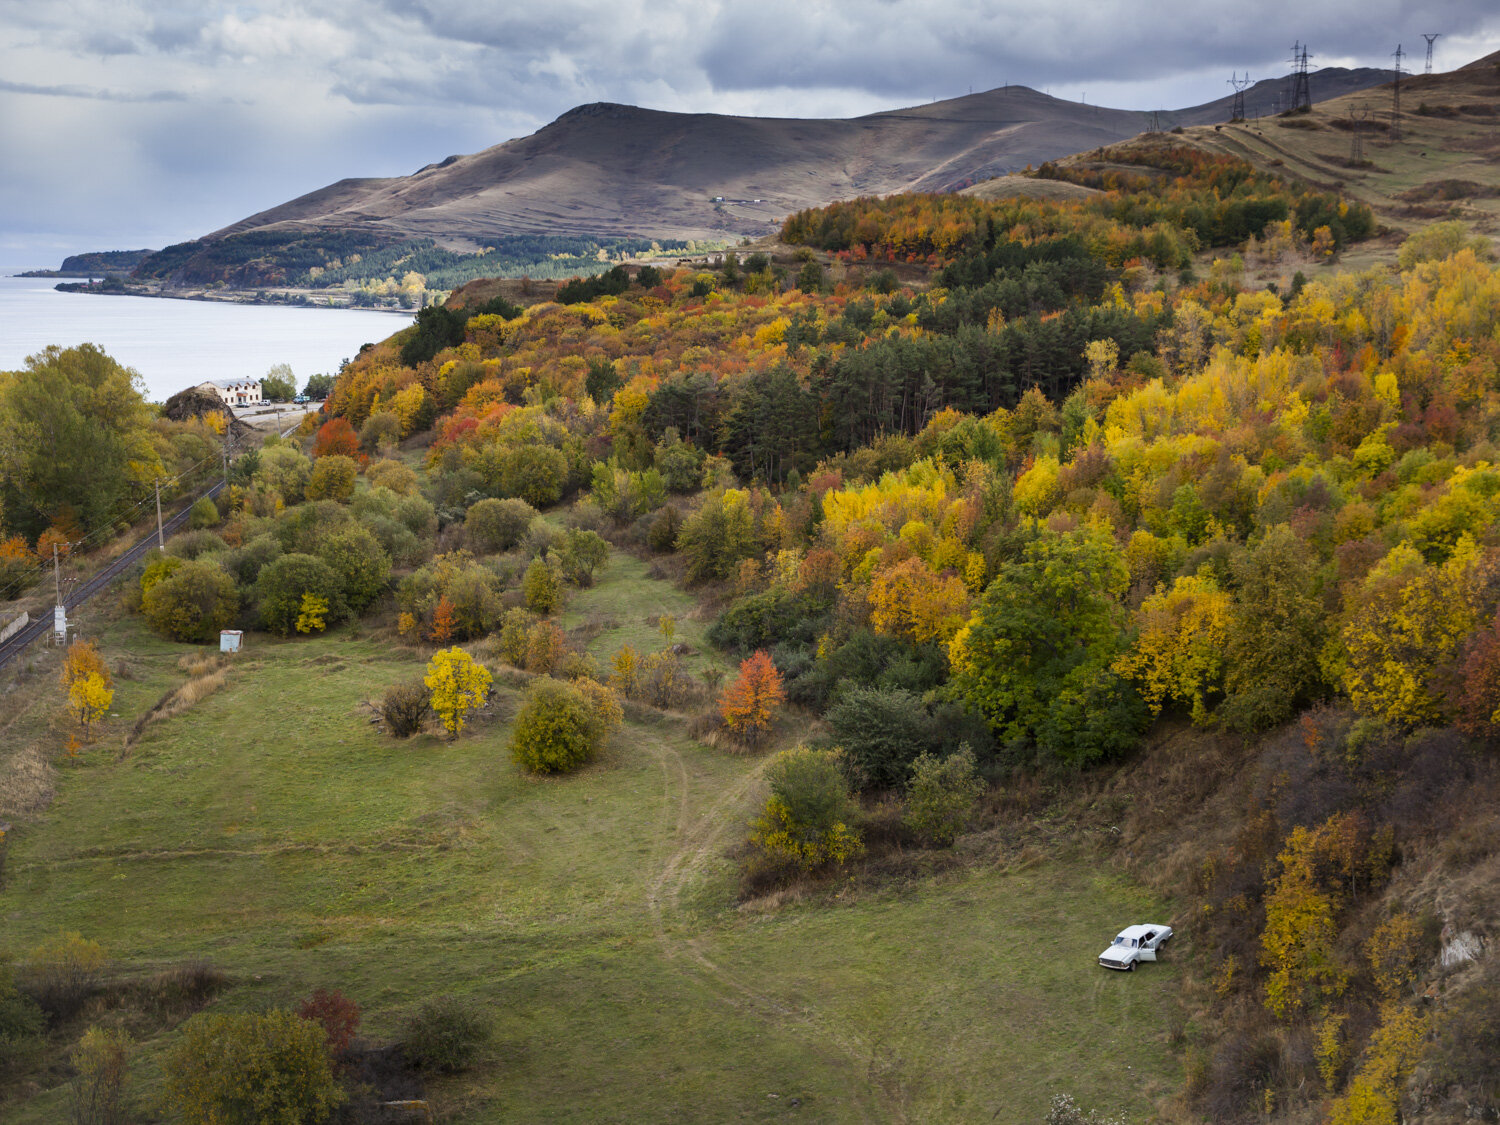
207, 674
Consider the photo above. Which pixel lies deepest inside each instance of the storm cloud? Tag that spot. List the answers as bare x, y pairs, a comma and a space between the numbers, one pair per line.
130, 123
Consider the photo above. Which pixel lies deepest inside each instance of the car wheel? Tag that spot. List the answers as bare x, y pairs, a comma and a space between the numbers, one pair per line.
1130, 968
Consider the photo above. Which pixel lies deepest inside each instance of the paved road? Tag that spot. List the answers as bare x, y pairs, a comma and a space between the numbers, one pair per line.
76, 597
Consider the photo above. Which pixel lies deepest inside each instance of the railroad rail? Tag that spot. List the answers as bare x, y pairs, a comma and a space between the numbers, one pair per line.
76, 597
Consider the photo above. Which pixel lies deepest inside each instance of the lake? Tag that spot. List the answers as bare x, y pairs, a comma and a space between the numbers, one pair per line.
175, 344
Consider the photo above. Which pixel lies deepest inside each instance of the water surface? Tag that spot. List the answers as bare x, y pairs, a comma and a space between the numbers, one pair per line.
174, 344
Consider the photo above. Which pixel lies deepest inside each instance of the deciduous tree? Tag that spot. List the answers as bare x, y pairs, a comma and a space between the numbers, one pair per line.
458, 685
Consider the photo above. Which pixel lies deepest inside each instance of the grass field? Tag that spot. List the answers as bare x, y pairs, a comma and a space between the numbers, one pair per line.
273, 830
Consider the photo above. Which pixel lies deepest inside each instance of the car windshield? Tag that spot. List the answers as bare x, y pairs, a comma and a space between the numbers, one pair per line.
1120, 940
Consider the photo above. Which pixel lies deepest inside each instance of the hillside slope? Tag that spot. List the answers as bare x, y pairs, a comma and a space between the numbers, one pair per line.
607, 169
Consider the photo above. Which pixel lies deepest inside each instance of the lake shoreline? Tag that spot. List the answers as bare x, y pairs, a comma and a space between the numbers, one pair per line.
314, 299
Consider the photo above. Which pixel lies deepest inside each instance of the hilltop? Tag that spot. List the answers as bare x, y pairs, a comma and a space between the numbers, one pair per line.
607, 171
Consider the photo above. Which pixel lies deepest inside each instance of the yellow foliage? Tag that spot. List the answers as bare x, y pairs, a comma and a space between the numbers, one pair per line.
908, 600
88, 701
312, 617
1037, 489
458, 686
1374, 1094
1179, 652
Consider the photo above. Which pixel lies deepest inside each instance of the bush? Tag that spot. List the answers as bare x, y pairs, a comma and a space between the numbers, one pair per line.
662, 534
22, 1025
193, 603
191, 544
582, 553
404, 707
102, 1065
361, 565
497, 525
563, 725
881, 731
399, 478
381, 428
445, 1034
332, 479
941, 797
809, 817
284, 471
543, 586
61, 973
282, 584
244, 564
251, 1069
335, 1013
204, 513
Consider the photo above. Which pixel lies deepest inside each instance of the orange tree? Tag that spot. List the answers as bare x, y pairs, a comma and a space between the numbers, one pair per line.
749, 703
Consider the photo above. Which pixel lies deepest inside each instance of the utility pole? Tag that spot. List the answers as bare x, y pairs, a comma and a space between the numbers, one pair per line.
56, 575
1301, 87
59, 611
1397, 54
161, 540
1430, 38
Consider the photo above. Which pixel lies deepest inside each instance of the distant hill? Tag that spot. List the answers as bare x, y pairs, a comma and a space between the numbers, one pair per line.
1445, 162
612, 171
96, 264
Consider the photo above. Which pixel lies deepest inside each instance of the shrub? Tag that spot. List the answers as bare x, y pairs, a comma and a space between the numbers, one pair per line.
332, 479
718, 536
445, 1034
361, 565
940, 799
563, 725
204, 513
284, 471
458, 686
542, 586
62, 972
282, 584
271, 1068
497, 525
191, 544
335, 1013
582, 553
336, 438
399, 478
102, 1063
193, 603
404, 707
881, 731
662, 534
22, 1025
808, 819
381, 428
244, 564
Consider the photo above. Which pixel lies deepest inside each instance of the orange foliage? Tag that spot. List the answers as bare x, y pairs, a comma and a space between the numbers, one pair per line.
748, 705
336, 436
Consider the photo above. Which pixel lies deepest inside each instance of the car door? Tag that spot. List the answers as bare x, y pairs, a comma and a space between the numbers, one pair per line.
1148, 947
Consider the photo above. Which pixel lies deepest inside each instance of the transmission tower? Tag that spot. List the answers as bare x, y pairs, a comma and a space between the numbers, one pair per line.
1357, 115
1153, 122
1429, 39
1237, 110
1301, 87
1398, 54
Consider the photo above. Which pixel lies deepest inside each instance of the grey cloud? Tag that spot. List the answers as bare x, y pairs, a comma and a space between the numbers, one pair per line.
91, 93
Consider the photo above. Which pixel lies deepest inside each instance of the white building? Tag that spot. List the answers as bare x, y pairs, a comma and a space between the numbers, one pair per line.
236, 392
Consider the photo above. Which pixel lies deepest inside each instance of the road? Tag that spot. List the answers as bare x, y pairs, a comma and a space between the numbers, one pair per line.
76, 597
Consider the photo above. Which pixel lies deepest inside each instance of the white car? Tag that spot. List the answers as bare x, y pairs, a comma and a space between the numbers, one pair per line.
1135, 943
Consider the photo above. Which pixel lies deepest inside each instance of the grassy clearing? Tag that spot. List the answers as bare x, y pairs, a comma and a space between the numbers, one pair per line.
274, 831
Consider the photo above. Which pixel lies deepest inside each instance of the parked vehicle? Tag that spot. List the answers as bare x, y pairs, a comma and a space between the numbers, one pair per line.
300, 399
1135, 943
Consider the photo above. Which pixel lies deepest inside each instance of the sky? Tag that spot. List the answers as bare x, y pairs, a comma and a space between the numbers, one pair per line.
138, 123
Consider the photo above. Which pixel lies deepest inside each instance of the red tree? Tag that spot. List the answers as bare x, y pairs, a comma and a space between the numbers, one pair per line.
336, 436
338, 1015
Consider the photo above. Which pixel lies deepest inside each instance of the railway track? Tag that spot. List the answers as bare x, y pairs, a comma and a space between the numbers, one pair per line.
76, 597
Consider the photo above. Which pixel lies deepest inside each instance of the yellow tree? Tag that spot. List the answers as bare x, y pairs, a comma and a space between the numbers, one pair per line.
89, 686
1400, 626
1179, 652
458, 686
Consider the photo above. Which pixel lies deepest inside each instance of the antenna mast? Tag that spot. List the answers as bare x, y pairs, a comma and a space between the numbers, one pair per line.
1429, 39
1237, 108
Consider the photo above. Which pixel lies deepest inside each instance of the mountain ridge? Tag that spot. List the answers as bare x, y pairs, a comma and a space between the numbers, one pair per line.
610, 169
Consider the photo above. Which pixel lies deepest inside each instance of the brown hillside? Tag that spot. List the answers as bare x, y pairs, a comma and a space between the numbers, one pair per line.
613, 170
1443, 164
